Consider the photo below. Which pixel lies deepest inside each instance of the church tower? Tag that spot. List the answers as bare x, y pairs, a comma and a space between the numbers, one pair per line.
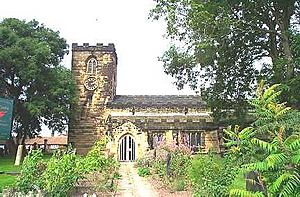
95, 71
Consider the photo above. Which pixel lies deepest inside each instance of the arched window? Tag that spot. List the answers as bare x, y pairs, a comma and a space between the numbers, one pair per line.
91, 66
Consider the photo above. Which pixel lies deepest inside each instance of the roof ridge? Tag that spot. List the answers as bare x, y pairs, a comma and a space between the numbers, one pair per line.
194, 101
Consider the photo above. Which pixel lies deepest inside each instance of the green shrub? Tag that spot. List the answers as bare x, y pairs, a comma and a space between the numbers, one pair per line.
159, 168
56, 177
107, 175
211, 175
143, 171
106, 168
179, 164
95, 159
31, 171
62, 172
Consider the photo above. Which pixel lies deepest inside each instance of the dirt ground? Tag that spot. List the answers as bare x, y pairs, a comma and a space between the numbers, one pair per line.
163, 191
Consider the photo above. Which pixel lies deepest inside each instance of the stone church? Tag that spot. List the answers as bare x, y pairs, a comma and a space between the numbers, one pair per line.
135, 123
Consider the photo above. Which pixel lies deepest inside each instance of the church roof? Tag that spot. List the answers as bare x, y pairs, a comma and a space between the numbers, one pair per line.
122, 101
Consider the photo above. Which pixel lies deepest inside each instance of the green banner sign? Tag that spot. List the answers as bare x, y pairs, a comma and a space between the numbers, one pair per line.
6, 110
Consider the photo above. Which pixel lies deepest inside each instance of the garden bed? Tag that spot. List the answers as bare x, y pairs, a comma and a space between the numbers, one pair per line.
163, 190
93, 184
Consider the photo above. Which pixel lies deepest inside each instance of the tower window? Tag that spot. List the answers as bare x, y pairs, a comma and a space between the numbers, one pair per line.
91, 66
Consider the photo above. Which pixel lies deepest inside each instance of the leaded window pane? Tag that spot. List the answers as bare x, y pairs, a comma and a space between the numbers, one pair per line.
91, 66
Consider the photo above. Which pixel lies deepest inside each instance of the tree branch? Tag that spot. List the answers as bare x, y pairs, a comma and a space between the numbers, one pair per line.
260, 28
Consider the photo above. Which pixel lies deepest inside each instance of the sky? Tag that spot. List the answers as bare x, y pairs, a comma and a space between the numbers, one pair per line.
138, 40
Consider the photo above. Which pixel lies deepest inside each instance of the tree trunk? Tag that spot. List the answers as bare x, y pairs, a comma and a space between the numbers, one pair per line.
274, 52
288, 55
284, 24
19, 155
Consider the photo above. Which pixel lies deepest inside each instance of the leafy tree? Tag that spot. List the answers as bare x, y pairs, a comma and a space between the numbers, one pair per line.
31, 74
216, 46
276, 146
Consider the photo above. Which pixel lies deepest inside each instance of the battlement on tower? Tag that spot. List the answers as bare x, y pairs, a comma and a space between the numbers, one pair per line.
98, 47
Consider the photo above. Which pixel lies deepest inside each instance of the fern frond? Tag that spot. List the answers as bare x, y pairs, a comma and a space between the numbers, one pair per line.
272, 97
274, 160
290, 139
275, 141
265, 113
264, 145
295, 145
296, 158
244, 193
296, 178
291, 186
281, 112
270, 91
259, 166
247, 133
278, 182
260, 89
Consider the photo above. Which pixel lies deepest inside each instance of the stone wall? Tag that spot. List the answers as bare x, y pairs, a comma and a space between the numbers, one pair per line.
88, 124
212, 141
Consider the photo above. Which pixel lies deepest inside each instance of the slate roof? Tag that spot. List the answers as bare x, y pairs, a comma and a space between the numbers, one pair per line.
192, 101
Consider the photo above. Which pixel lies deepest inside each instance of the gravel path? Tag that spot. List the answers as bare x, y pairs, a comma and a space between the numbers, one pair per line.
132, 185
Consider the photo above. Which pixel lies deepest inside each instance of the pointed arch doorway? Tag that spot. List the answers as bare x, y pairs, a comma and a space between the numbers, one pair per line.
127, 149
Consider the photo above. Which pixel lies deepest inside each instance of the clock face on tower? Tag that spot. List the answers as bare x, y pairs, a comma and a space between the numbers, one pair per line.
91, 83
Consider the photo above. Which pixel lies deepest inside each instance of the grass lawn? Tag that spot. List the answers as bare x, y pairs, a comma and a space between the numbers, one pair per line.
7, 165
6, 180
